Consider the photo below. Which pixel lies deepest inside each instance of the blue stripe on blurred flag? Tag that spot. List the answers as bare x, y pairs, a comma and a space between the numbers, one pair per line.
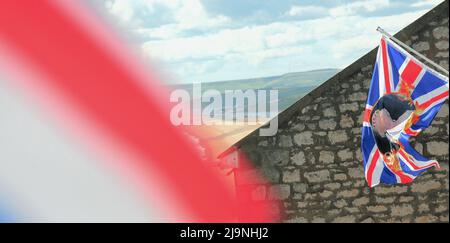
5, 214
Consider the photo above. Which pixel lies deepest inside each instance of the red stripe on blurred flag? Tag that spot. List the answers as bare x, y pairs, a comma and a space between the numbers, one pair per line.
81, 68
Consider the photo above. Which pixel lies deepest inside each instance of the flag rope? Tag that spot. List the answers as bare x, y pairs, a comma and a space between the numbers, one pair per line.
383, 32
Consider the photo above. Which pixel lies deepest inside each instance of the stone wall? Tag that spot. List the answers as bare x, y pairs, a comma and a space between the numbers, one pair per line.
314, 163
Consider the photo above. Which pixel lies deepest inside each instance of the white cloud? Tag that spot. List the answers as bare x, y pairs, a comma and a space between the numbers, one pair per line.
306, 10
271, 36
191, 14
123, 10
359, 6
327, 38
426, 3
207, 46
186, 15
348, 9
361, 35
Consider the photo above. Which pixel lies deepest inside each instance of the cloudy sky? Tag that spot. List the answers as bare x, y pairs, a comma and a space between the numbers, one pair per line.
213, 40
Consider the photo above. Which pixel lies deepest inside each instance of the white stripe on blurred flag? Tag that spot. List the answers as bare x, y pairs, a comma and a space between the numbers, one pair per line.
49, 178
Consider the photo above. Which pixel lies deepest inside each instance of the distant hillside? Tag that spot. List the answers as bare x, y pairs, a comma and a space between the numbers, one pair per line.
290, 86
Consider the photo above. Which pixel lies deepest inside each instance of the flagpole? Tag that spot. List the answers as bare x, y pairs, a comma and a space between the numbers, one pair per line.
383, 32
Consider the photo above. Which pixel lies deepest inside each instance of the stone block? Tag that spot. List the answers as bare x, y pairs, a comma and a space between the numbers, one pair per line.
290, 176
346, 121
337, 136
279, 192
357, 172
423, 187
437, 148
285, 141
442, 45
317, 176
348, 193
329, 112
327, 124
345, 219
345, 155
360, 201
303, 138
326, 157
377, 209
349, 107
401, 210
298, 158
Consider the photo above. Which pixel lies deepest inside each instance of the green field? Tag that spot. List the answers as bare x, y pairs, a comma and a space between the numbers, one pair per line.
291, 86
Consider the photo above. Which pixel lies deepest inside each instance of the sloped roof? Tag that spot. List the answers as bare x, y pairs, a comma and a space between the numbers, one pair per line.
367, 59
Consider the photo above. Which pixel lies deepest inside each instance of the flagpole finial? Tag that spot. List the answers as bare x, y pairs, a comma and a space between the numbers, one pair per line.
437, 66
383, 32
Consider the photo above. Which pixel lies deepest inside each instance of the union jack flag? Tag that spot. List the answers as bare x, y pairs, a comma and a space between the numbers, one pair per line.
407, 90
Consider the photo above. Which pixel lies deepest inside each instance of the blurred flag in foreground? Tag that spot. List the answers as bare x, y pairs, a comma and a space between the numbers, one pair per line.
85, 133
404, 97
